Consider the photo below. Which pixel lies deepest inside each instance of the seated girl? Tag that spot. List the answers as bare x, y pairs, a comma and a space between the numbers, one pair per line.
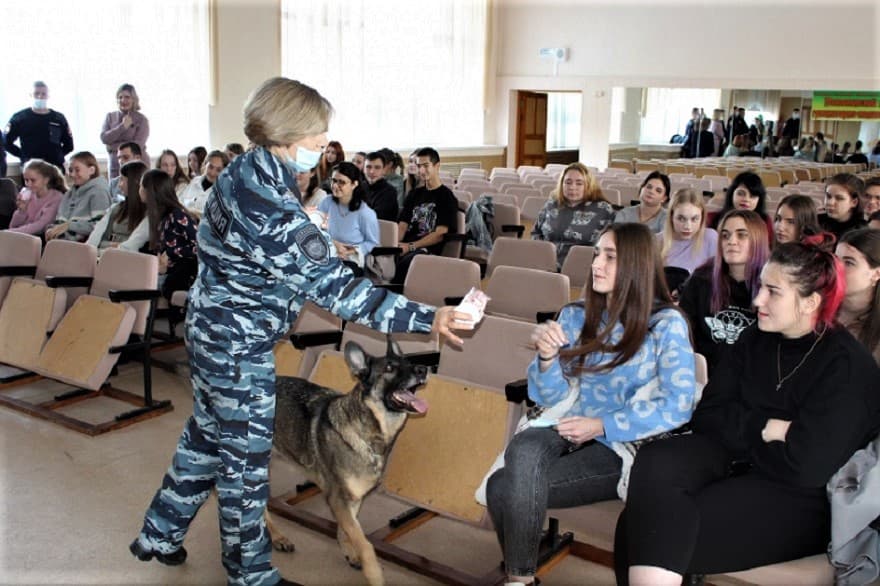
625, 351
859, 251
125, 226
37, 203
795, 218
312, 194
650, 210
169, 163
785, 409
198, 190
843, 212
576, 212
352, 225
172, 232
84, 204
686, 242
746, 192
718, 297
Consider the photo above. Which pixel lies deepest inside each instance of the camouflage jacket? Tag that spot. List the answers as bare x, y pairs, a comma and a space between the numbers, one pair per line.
261, 259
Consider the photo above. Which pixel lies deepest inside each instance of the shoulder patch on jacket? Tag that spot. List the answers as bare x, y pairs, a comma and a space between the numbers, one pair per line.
313, 244
218, 216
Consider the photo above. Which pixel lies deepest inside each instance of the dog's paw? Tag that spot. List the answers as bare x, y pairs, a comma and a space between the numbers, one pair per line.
354, 562
283, 544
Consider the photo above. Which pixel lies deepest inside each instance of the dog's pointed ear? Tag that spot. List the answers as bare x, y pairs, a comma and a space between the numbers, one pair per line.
356, 359
393, 349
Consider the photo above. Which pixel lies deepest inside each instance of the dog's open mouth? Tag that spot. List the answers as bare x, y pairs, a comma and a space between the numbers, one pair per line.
407, 401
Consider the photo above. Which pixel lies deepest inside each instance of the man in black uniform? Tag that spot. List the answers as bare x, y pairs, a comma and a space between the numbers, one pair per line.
43, 133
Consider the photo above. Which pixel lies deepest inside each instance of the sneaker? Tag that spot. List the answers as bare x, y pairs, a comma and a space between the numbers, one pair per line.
169, 559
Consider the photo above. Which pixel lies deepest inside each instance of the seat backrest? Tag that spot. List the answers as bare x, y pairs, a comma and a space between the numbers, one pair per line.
66, 258
522, 293
17, 250
534, 254
505, 214
576, 264
505, 198
432, 278
531, 206
497, 351
125, 270
388, 233
455, 248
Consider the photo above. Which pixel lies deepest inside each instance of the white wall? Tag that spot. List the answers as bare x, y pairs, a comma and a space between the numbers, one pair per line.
248, 52
747, 44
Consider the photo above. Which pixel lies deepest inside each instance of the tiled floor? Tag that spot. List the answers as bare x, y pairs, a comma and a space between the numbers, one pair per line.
71, 505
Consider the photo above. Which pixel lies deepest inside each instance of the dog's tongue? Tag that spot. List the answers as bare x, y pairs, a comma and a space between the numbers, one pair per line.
417, 404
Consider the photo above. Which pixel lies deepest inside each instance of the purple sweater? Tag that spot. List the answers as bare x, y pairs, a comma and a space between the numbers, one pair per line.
39, 213
113, 134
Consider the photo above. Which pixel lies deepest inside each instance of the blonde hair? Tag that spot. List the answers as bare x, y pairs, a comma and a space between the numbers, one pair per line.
592, 191
135, 100
683, 196
282, 111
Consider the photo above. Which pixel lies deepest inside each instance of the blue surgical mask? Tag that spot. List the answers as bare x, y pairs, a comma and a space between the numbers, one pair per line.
305, 161
40, 104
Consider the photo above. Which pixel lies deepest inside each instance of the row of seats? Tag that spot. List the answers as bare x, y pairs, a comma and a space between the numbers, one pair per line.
67, 317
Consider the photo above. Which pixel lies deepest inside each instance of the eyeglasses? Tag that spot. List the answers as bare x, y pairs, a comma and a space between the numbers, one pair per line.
340, 182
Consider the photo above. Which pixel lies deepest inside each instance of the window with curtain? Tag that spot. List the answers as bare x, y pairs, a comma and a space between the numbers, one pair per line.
85, 50
563, 120
667, 111
398, 72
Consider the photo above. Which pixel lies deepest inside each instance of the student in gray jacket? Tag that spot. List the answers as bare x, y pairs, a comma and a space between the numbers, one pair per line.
84, 204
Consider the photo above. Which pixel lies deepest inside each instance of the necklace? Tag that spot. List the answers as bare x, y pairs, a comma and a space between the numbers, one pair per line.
781, 379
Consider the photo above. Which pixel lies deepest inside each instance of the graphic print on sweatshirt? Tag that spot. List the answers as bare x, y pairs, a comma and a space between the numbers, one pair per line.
728, 324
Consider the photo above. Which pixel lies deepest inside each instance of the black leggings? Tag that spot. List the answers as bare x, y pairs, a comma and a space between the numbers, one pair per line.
686, 513
180, 277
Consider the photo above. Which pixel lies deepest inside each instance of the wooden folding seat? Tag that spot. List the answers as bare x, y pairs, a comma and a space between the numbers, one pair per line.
771, 178
115, 316
621, 164
19, 255
69, 268
530, 295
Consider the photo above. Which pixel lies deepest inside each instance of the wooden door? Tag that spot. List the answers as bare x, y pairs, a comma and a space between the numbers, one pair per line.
531, 129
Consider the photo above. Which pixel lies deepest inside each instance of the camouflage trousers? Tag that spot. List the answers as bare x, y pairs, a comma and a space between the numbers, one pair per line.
225, 444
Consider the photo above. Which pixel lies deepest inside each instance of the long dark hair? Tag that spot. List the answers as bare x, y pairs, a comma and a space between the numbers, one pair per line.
813, 269
354, 175
132, 208
201, 153
805, 215
161, 200
867, 241
753, 183
179, 175
639, 291
759, 251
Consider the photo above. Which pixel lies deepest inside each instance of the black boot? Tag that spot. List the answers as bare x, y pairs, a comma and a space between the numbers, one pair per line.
169, 559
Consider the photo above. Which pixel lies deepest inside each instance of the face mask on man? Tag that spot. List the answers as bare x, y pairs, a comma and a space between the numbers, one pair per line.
40, 103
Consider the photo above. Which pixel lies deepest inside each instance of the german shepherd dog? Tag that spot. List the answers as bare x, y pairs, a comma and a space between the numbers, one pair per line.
342, 441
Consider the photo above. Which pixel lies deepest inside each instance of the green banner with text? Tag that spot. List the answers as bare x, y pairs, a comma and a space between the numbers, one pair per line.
846, 106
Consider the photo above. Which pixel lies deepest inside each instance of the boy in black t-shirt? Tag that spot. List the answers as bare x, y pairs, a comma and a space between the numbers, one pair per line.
428, 214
